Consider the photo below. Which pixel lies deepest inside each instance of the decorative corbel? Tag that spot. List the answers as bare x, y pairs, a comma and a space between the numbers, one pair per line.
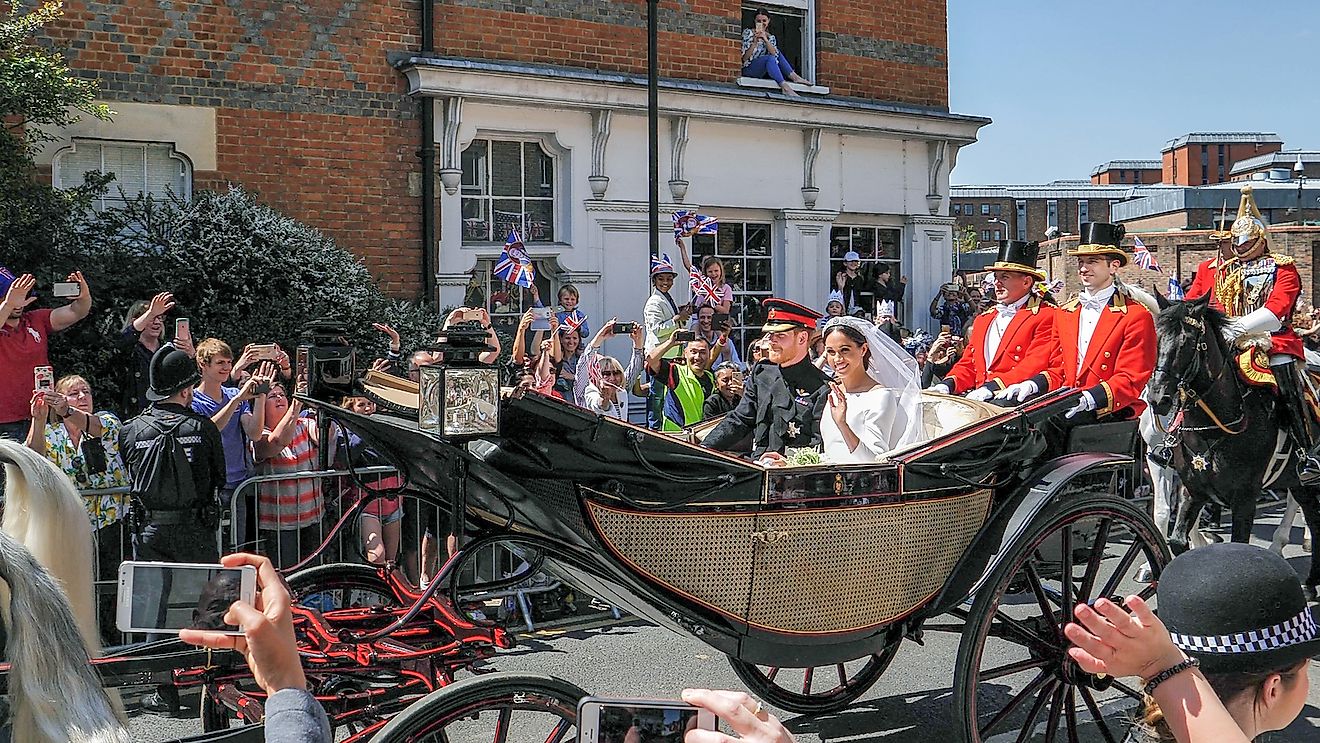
811, 149
935, 152
451, 171
678, 132
600, 136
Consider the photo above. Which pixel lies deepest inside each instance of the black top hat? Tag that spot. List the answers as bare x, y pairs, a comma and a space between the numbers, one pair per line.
170, 371
1236, 607
1018, 255
781, 315
1102, 238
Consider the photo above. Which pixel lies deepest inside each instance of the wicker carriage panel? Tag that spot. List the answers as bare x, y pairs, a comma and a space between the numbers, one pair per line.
832, 570
707, 557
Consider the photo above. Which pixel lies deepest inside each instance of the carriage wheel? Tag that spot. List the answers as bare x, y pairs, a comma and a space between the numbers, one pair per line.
1013, 676
819, 689
529, 706
341, 586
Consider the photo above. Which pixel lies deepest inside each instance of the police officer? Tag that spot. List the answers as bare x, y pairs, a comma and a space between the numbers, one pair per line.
785, 395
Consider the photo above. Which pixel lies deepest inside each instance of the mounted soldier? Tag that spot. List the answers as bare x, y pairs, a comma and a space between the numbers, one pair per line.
1258, 291
1009, 342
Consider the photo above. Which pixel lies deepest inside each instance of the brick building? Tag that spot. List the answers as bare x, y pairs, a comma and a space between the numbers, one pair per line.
1027, 212
1202, 158
1281, 165
1127, 172
535, 114
1207, 207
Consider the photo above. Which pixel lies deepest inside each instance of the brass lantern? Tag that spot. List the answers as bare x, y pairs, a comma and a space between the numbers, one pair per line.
459, 397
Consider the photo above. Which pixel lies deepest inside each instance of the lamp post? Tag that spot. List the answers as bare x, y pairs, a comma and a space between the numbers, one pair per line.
1299, 172
997, 220
653, 125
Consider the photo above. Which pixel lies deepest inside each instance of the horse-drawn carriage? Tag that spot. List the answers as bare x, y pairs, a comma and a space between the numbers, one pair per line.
808, 578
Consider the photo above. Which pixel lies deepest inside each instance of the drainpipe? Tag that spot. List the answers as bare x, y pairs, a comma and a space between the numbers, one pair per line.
427, 153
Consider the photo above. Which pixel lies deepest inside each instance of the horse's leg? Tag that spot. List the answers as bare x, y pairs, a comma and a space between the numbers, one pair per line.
1189, 506
1283, 533
1308, 499
1244, 515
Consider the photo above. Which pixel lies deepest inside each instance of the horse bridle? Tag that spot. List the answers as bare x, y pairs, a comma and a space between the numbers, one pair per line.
1187, 394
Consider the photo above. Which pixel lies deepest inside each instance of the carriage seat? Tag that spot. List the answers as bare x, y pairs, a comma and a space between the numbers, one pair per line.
942, 414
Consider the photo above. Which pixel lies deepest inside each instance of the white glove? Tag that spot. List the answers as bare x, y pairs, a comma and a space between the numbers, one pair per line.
980, 394
1019, 392
1085, 402
1258, 321
943, 389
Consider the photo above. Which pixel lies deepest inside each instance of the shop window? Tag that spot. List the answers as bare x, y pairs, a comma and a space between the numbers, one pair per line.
507, 302
508, 185
138, 167
875, 245
746, 250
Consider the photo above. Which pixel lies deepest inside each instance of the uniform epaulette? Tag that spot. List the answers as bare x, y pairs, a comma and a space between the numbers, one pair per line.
1071, 305
990, 311
1282, 260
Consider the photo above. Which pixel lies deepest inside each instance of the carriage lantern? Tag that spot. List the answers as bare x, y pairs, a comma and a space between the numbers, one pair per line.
326, 361
459, 397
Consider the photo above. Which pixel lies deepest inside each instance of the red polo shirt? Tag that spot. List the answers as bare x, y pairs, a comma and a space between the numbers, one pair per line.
22, 349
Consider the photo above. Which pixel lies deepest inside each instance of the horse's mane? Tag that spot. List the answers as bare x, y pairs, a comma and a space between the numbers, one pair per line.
1169, 323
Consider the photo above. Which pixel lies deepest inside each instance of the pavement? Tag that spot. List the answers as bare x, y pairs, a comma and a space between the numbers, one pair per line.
631, 658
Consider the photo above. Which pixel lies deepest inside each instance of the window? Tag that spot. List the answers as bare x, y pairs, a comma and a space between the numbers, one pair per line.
139, 168
1083, 211
506, 186
793, 24
745, 250
985, 210
985, 235
997, 210
1122, 176
506, 302
875, 245
957, 209
1051, 213
1022, 220
995, 237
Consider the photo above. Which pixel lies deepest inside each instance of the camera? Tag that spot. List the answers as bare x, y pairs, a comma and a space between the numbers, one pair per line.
326, 361
624, 328
685, 336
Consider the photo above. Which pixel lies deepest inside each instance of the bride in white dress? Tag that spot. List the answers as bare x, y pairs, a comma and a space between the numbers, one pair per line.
874, 400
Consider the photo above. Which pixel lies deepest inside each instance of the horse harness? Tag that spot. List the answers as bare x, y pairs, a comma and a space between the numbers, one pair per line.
1189, 398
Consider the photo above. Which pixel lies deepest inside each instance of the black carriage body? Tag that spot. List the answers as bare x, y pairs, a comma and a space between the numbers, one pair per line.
794, 567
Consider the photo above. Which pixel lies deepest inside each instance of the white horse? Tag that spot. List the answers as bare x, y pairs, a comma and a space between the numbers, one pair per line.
48, 607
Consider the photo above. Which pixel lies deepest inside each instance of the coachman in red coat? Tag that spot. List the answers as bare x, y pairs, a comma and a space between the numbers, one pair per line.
1104, 339
1259, 290
1009, 342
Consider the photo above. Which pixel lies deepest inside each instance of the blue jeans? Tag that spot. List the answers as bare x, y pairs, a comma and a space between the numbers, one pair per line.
773, 66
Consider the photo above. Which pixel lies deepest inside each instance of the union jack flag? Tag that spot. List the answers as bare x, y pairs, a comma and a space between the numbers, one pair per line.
701, 286
1175, 289
573, 320
593, 370
1143, 257
690, 223
514, 265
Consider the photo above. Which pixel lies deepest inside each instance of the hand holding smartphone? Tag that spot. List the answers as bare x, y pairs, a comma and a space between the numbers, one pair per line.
685, 336
166, 597
43, 378
602, 720
182, 330
623, 328
67, 289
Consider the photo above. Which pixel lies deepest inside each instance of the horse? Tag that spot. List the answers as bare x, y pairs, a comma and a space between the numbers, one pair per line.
46, 564
1226, 442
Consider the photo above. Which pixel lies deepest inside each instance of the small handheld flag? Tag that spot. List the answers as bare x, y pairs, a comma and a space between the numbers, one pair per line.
701, 286
1142, 257
1175, 292
573, 320
688, 223
514, 265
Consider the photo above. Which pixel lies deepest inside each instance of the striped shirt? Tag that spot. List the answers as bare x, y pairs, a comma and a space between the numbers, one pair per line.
295, 502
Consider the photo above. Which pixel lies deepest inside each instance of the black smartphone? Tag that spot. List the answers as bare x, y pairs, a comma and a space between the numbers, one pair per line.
624, 328
685, 336
721, 319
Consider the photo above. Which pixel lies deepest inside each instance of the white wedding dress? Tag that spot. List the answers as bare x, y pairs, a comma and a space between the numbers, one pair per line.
877, 420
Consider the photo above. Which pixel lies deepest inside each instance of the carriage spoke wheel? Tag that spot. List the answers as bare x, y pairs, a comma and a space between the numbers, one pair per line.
818, 689
498, 707
1013, 679
341, 586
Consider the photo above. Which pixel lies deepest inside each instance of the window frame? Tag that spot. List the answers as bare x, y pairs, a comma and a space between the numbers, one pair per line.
1052, 213
59, 179
561, 185
745, 327
1021, 207
807, 8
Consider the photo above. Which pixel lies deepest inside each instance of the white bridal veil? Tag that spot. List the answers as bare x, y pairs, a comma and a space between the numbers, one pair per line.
895, 370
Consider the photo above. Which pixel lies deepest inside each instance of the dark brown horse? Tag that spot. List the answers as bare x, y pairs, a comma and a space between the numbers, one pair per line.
1225, 432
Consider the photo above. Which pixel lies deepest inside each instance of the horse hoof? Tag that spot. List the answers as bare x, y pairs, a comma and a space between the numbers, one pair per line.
1177, 548
1306, 544
1143, 575
1309, 592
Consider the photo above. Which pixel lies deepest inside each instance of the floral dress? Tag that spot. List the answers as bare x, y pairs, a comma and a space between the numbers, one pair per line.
102, 509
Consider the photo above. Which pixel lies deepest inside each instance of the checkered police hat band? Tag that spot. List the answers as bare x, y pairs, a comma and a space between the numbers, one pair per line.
1299, 629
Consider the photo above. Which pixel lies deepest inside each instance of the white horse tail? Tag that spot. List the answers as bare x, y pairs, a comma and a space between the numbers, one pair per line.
56, 695
45, 514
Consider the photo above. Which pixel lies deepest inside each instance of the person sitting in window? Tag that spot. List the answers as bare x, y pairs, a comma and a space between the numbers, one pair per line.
761, 56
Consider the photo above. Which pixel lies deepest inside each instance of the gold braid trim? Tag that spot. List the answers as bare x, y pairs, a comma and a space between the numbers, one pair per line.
1229, 286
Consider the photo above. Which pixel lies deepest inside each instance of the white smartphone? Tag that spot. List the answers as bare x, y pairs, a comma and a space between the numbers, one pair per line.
182, 329
165, 597
264, 352
43, 378
602, 720
66, 289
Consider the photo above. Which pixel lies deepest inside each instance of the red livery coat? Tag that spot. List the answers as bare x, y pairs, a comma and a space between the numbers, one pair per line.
1119, 358
1023, 352
1282, 300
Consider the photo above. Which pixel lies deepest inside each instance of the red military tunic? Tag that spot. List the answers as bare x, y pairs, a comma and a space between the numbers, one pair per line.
1120, 356
1024, 350
1274, 281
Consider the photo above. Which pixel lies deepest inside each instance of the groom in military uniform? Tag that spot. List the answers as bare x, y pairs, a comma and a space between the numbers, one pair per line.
785, 395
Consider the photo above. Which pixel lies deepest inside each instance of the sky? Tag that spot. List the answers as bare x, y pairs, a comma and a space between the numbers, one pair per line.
1073, 84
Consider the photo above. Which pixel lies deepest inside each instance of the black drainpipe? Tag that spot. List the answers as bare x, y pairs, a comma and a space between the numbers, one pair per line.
427, 154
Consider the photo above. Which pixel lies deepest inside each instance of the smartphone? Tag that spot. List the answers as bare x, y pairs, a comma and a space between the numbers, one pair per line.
67, 289
624, 328
165, 597
264, 351
181, 329
945, 329
540, 318
43, 378
603, 720
720, 319
685, 336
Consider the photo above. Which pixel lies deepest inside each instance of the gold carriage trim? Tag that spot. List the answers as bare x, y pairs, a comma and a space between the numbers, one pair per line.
801, 571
